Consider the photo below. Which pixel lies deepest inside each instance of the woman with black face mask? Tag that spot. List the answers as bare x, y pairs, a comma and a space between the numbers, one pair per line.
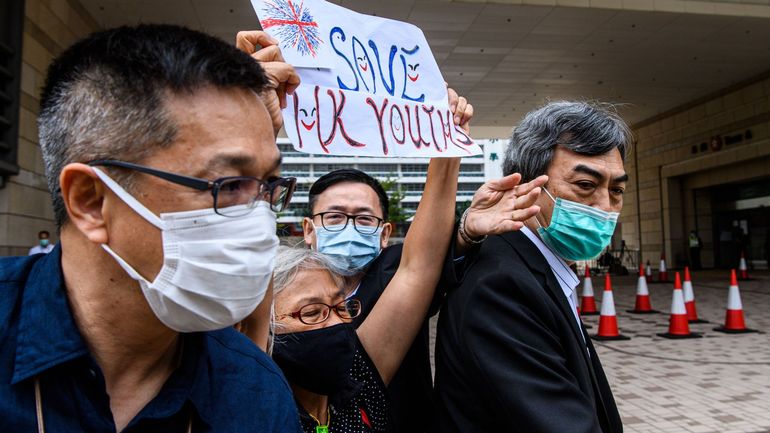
339, 374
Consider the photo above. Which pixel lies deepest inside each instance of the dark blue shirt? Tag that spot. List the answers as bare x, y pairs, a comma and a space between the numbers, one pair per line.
223, 383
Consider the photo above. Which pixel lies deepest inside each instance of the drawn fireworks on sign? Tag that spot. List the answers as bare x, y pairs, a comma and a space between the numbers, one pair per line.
295, 25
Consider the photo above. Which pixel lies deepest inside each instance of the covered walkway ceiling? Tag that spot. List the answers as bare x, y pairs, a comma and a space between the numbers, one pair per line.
508, 57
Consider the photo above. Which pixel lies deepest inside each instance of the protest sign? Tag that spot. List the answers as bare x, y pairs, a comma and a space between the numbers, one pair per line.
382, 94
295, 25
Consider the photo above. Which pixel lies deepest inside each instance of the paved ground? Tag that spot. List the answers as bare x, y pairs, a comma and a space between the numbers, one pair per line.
719, 383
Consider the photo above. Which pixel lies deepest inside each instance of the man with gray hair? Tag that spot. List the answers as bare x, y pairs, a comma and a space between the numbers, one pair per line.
161, 159
509, 337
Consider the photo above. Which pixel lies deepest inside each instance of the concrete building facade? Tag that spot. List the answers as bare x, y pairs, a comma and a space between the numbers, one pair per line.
703, 167
25, 205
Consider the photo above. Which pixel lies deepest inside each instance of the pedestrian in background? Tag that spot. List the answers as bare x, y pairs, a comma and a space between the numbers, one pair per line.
44, 245
695, 246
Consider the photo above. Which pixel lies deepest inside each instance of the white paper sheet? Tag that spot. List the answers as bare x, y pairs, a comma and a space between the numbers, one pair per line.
382, 95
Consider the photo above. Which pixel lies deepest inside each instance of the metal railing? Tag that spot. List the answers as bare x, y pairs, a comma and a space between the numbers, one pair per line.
619, 262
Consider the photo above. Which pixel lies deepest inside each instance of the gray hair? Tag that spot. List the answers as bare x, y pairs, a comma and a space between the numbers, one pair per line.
86, 122
291, 260
104, 97
586, 128
288, 263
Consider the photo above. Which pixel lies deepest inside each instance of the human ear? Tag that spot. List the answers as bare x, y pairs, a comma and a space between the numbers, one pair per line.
309, 232
387, 229
83, 196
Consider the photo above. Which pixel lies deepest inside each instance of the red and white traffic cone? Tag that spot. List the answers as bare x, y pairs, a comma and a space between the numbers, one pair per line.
576, 300
608, 321
642, 305
678, 326
662, 273
689, 299
648, 273
742, 268
588, 302
734, 323
577, 307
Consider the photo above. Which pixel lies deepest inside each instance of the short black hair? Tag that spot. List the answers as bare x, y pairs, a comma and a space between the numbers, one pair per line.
348, 175
149, 58
105, 96
43, 231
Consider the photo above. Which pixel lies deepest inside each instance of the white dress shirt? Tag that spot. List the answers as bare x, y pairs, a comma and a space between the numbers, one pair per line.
567, 279
37, 249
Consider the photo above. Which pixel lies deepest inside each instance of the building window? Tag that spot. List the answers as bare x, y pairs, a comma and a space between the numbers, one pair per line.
380, 170
296, 210
11, 20
414, 170
322, 169
472, 170
295, 170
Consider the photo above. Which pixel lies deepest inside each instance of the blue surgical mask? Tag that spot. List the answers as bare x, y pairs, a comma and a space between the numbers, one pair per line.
44, 242
577, 231
355, 249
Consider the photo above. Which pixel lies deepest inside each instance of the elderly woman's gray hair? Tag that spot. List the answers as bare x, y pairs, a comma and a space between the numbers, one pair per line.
583, 127
290, 261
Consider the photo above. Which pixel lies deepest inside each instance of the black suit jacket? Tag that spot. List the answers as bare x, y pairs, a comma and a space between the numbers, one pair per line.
510, 355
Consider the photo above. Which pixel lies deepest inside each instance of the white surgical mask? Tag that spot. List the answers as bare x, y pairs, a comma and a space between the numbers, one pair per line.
216, 269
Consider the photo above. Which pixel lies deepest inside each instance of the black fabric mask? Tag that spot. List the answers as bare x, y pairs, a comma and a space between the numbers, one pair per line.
319, 360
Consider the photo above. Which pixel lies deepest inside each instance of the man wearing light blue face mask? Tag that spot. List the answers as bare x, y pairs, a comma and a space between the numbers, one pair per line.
509, 337
349, 220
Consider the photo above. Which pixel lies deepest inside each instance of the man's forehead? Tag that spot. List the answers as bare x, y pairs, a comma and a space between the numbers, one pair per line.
568, 162
268, 160
211, 133
351, 196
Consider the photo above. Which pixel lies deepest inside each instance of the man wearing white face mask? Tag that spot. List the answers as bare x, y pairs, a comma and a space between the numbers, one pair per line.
166, 203
509, 338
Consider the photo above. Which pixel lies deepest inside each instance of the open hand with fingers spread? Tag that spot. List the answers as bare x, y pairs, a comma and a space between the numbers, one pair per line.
500, 206
283, 78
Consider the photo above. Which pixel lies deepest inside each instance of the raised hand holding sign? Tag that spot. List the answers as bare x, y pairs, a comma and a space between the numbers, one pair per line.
369, 86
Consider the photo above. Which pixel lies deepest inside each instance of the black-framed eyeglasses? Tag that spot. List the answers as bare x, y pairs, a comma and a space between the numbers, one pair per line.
337, 221
229, 193
318, 312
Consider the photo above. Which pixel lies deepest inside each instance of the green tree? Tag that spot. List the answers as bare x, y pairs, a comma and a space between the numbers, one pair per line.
396, 214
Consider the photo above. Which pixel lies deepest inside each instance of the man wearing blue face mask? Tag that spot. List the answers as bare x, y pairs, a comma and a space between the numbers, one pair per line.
44, 245
509, 338
349, 220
